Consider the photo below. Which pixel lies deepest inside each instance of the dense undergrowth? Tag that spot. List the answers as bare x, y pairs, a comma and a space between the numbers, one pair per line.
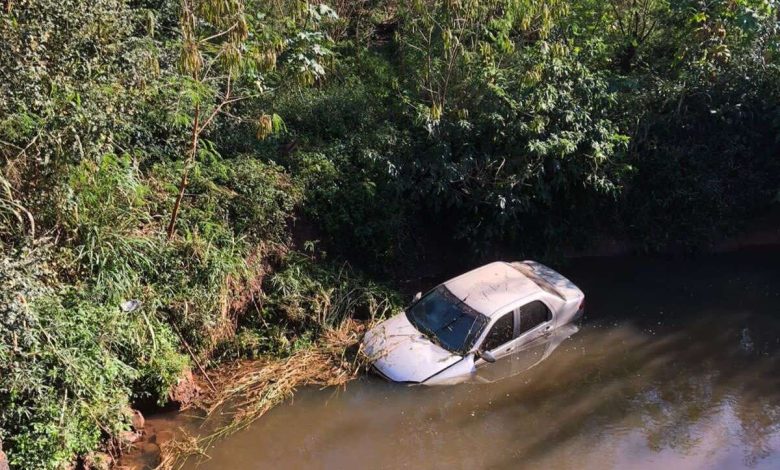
189, 182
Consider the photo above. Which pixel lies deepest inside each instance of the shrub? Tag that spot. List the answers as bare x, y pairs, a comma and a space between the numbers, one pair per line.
70, 365
706, 159
311, 293
346, 166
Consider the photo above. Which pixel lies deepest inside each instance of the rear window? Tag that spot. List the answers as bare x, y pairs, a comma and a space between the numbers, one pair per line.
532, 315
544, 285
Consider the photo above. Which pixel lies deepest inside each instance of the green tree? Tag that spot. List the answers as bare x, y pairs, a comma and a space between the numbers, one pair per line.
520, 130
212, 36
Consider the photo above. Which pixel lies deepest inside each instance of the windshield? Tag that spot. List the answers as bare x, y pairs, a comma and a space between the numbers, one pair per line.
447, 321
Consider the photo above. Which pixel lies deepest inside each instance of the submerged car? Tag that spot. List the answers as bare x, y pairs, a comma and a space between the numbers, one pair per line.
471, 321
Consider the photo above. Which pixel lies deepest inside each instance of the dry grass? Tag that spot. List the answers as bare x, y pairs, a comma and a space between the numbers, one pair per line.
246, 391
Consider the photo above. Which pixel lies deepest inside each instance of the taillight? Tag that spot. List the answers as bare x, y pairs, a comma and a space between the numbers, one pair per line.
580, 310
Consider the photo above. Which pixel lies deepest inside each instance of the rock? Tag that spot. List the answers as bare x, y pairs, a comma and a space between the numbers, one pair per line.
151, 453
185, 390
162, 437
3, 459
98, 461
150, 448
128, 437
137, 420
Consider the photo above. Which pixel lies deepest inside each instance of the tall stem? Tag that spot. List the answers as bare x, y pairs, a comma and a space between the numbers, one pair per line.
185, 175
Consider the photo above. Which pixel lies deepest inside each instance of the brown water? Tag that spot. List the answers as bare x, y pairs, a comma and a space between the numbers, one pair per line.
677, 365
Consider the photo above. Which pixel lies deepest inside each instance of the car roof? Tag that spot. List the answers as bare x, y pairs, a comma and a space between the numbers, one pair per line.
490, 287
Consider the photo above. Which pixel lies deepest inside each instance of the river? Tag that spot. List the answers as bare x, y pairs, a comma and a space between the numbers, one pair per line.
677, 365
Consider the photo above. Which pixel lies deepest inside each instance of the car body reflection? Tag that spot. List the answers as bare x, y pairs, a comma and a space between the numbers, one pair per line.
528, 356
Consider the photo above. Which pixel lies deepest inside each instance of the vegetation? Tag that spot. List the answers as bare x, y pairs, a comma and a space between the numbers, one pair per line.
184, 182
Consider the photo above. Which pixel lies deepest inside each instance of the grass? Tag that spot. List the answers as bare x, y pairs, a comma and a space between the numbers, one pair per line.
318, 303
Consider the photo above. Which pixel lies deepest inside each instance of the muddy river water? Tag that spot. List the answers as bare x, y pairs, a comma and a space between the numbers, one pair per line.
677, 365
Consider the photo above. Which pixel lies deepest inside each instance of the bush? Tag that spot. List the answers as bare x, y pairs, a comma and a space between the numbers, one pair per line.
313, 294
304, 297
706, 159
70, 365
263, 199
346, 167
68, 350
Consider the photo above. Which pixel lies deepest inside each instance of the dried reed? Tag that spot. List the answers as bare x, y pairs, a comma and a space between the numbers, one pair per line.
246, 391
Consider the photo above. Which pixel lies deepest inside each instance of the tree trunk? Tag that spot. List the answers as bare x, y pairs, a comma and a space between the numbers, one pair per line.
185, 175
626, 59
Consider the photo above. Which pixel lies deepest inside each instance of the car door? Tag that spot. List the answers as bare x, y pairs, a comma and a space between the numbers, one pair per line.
532, 321
519, 360
500, 339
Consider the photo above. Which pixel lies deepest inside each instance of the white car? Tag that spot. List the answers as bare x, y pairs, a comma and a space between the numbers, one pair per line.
471, 321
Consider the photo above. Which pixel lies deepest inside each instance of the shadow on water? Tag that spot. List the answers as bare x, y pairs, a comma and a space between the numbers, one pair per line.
677, 364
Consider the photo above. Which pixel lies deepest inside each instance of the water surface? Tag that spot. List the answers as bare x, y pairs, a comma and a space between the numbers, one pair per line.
677, 365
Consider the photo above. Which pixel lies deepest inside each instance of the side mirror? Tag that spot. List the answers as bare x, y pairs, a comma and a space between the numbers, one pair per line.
485, 356
417, 297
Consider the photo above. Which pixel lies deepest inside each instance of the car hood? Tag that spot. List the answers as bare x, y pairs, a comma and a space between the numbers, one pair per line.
403, 354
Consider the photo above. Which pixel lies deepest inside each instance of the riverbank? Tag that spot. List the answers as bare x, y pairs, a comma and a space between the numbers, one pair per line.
236, 394
257, 386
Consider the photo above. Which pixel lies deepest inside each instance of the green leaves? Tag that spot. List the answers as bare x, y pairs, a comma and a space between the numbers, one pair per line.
68, 363
314, 294
446, 45
530, 131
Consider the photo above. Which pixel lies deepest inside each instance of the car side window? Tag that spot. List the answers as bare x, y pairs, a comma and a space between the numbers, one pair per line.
502, 332
532, 315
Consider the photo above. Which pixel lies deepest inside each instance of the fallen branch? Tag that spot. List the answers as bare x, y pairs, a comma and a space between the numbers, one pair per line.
194, 358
